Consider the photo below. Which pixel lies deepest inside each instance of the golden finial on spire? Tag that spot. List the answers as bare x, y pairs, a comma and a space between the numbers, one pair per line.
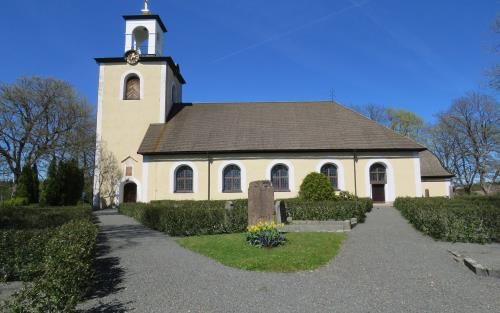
146, 7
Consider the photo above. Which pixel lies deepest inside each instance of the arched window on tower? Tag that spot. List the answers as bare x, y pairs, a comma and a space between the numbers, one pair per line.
132, 88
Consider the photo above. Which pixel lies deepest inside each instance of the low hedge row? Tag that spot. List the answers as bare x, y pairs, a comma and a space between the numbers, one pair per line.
462, 219
187, 218
22, 253
14, 217
329, 210
66, 271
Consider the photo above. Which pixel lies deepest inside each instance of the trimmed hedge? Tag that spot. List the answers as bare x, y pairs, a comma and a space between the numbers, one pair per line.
329, 210
462, 219
53, 248
67, 270
187, 218
39, 218
22, 253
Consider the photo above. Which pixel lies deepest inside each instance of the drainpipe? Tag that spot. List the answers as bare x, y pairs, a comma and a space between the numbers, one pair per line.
355, 160
208, 164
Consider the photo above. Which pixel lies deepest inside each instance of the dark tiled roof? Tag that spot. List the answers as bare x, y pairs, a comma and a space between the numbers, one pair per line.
431, 167
269, 126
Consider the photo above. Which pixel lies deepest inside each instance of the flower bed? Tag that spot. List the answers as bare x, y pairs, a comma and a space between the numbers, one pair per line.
265, 235
464, 219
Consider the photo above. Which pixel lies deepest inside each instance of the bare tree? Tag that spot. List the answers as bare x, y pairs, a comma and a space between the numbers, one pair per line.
446, 146
375, 112
107, 176
41, 118
468, 133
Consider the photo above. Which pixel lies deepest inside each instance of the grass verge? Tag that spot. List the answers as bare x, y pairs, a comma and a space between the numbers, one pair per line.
302, 251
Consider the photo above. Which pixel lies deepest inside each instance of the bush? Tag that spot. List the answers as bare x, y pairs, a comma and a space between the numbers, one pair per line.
38, 218
22, 253
186, 218
67, 269
329, 210
316, 187
463, 219
265, 234
14, 202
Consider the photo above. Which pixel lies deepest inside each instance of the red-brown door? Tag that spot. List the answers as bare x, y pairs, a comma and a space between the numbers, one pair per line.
130, 193
378, 193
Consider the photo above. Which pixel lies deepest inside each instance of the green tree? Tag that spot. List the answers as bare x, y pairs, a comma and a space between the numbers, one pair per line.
52, 186
72, 182
406, 123
27, 184
316, 187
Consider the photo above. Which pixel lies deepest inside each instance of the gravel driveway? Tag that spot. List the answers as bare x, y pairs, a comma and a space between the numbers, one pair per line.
384, 266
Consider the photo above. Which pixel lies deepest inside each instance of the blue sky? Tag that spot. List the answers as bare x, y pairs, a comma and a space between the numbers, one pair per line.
417, 55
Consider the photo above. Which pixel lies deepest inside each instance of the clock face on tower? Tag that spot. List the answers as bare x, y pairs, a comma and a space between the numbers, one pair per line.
132, 57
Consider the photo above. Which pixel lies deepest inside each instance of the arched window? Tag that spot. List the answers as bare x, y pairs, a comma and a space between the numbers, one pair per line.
279, 177
132, 88
231, 179
330, 171
184, 179
377, 174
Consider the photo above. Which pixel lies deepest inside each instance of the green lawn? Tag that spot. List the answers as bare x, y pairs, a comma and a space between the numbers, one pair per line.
302, 251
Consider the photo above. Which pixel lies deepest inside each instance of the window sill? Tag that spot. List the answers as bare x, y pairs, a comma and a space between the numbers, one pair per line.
183, 192
288, 190
236, 191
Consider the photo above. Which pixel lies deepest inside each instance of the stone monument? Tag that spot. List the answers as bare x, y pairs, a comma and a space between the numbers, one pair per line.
260, 202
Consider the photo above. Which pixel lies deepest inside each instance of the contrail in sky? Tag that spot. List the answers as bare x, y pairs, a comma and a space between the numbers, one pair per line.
292, 30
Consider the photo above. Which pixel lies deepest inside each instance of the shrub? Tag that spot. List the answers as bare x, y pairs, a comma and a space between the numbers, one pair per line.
67, 269
265, 234
316, 187
14, 202
22, 253
300, 209
463, 219
39, 218
186, 218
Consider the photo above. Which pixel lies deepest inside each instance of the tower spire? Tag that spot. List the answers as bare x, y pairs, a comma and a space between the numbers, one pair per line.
145, 11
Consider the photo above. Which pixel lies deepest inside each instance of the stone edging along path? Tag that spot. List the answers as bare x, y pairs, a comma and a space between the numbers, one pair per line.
475, 266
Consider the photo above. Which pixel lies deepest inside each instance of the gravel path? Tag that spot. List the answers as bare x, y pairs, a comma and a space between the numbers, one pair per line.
384, 266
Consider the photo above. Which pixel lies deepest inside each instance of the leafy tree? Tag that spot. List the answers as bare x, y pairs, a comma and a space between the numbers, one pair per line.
27, 184
72, 181
52, 186
406, 123
316, 187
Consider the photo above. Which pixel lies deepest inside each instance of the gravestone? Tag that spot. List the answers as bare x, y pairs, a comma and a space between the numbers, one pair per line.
260, 202
280, 211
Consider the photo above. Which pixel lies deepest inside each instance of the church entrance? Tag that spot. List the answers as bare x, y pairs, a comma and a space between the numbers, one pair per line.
378, 179
130, 193
378, 193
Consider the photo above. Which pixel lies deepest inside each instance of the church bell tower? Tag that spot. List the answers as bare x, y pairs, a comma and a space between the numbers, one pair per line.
136, 88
